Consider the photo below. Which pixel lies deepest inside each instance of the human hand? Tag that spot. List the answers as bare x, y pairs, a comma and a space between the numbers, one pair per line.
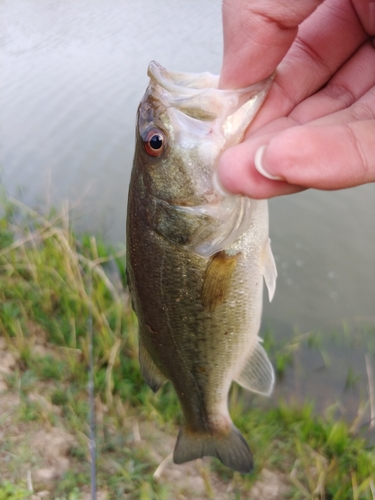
317, 125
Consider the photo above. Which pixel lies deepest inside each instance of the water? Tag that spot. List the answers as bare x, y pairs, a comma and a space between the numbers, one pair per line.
72, 74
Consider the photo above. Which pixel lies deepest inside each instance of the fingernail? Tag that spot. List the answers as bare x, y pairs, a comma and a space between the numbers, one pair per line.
218, 187
258, 165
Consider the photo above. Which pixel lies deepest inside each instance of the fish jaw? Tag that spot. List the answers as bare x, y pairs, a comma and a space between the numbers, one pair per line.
197, 95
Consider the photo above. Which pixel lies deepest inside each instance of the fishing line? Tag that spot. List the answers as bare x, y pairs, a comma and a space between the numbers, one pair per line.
91, 391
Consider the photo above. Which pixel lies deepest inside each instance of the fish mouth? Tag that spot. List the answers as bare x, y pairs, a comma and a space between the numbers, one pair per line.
197, 95
181, 83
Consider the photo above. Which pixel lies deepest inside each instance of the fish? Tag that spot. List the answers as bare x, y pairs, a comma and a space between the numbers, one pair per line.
196, 258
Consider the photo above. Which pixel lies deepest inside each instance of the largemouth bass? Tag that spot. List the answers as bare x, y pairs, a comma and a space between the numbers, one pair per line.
196, 259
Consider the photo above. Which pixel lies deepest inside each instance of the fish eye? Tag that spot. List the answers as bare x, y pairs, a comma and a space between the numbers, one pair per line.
154, 142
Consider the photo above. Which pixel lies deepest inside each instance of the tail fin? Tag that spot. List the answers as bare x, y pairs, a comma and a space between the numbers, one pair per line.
231, 449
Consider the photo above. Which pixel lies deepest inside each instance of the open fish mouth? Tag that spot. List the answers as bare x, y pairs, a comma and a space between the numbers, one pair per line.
197, 95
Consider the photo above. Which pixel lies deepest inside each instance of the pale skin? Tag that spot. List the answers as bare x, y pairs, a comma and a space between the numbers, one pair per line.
317, 125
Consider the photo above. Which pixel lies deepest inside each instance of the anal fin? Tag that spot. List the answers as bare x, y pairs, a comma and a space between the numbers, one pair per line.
150, 372
258, 374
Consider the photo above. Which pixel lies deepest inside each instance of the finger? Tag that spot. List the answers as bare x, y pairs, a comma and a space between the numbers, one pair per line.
349, 95
236, 172
325, 41
257, 35
366, 12
362, 109
349, 84
328, 157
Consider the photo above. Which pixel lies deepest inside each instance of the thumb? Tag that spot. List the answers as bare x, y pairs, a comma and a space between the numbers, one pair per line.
322, 157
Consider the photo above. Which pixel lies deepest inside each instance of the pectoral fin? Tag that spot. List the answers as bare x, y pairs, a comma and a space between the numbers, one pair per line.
269, 269
257, 375
217, 279
151, 373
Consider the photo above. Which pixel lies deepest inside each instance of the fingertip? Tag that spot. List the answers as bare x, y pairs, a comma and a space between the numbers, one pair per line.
218, 186
236, 173
222, 179
259, 164
230, 172
281, 159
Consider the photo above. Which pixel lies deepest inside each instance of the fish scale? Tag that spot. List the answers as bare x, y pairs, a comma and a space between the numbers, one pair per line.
196, 259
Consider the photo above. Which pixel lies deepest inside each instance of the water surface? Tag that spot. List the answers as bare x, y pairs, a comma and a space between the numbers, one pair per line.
72, 75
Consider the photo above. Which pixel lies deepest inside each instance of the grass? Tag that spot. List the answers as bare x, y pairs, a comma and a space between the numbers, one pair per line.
50, 283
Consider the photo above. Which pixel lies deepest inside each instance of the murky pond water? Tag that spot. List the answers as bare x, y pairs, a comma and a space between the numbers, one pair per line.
72, 74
